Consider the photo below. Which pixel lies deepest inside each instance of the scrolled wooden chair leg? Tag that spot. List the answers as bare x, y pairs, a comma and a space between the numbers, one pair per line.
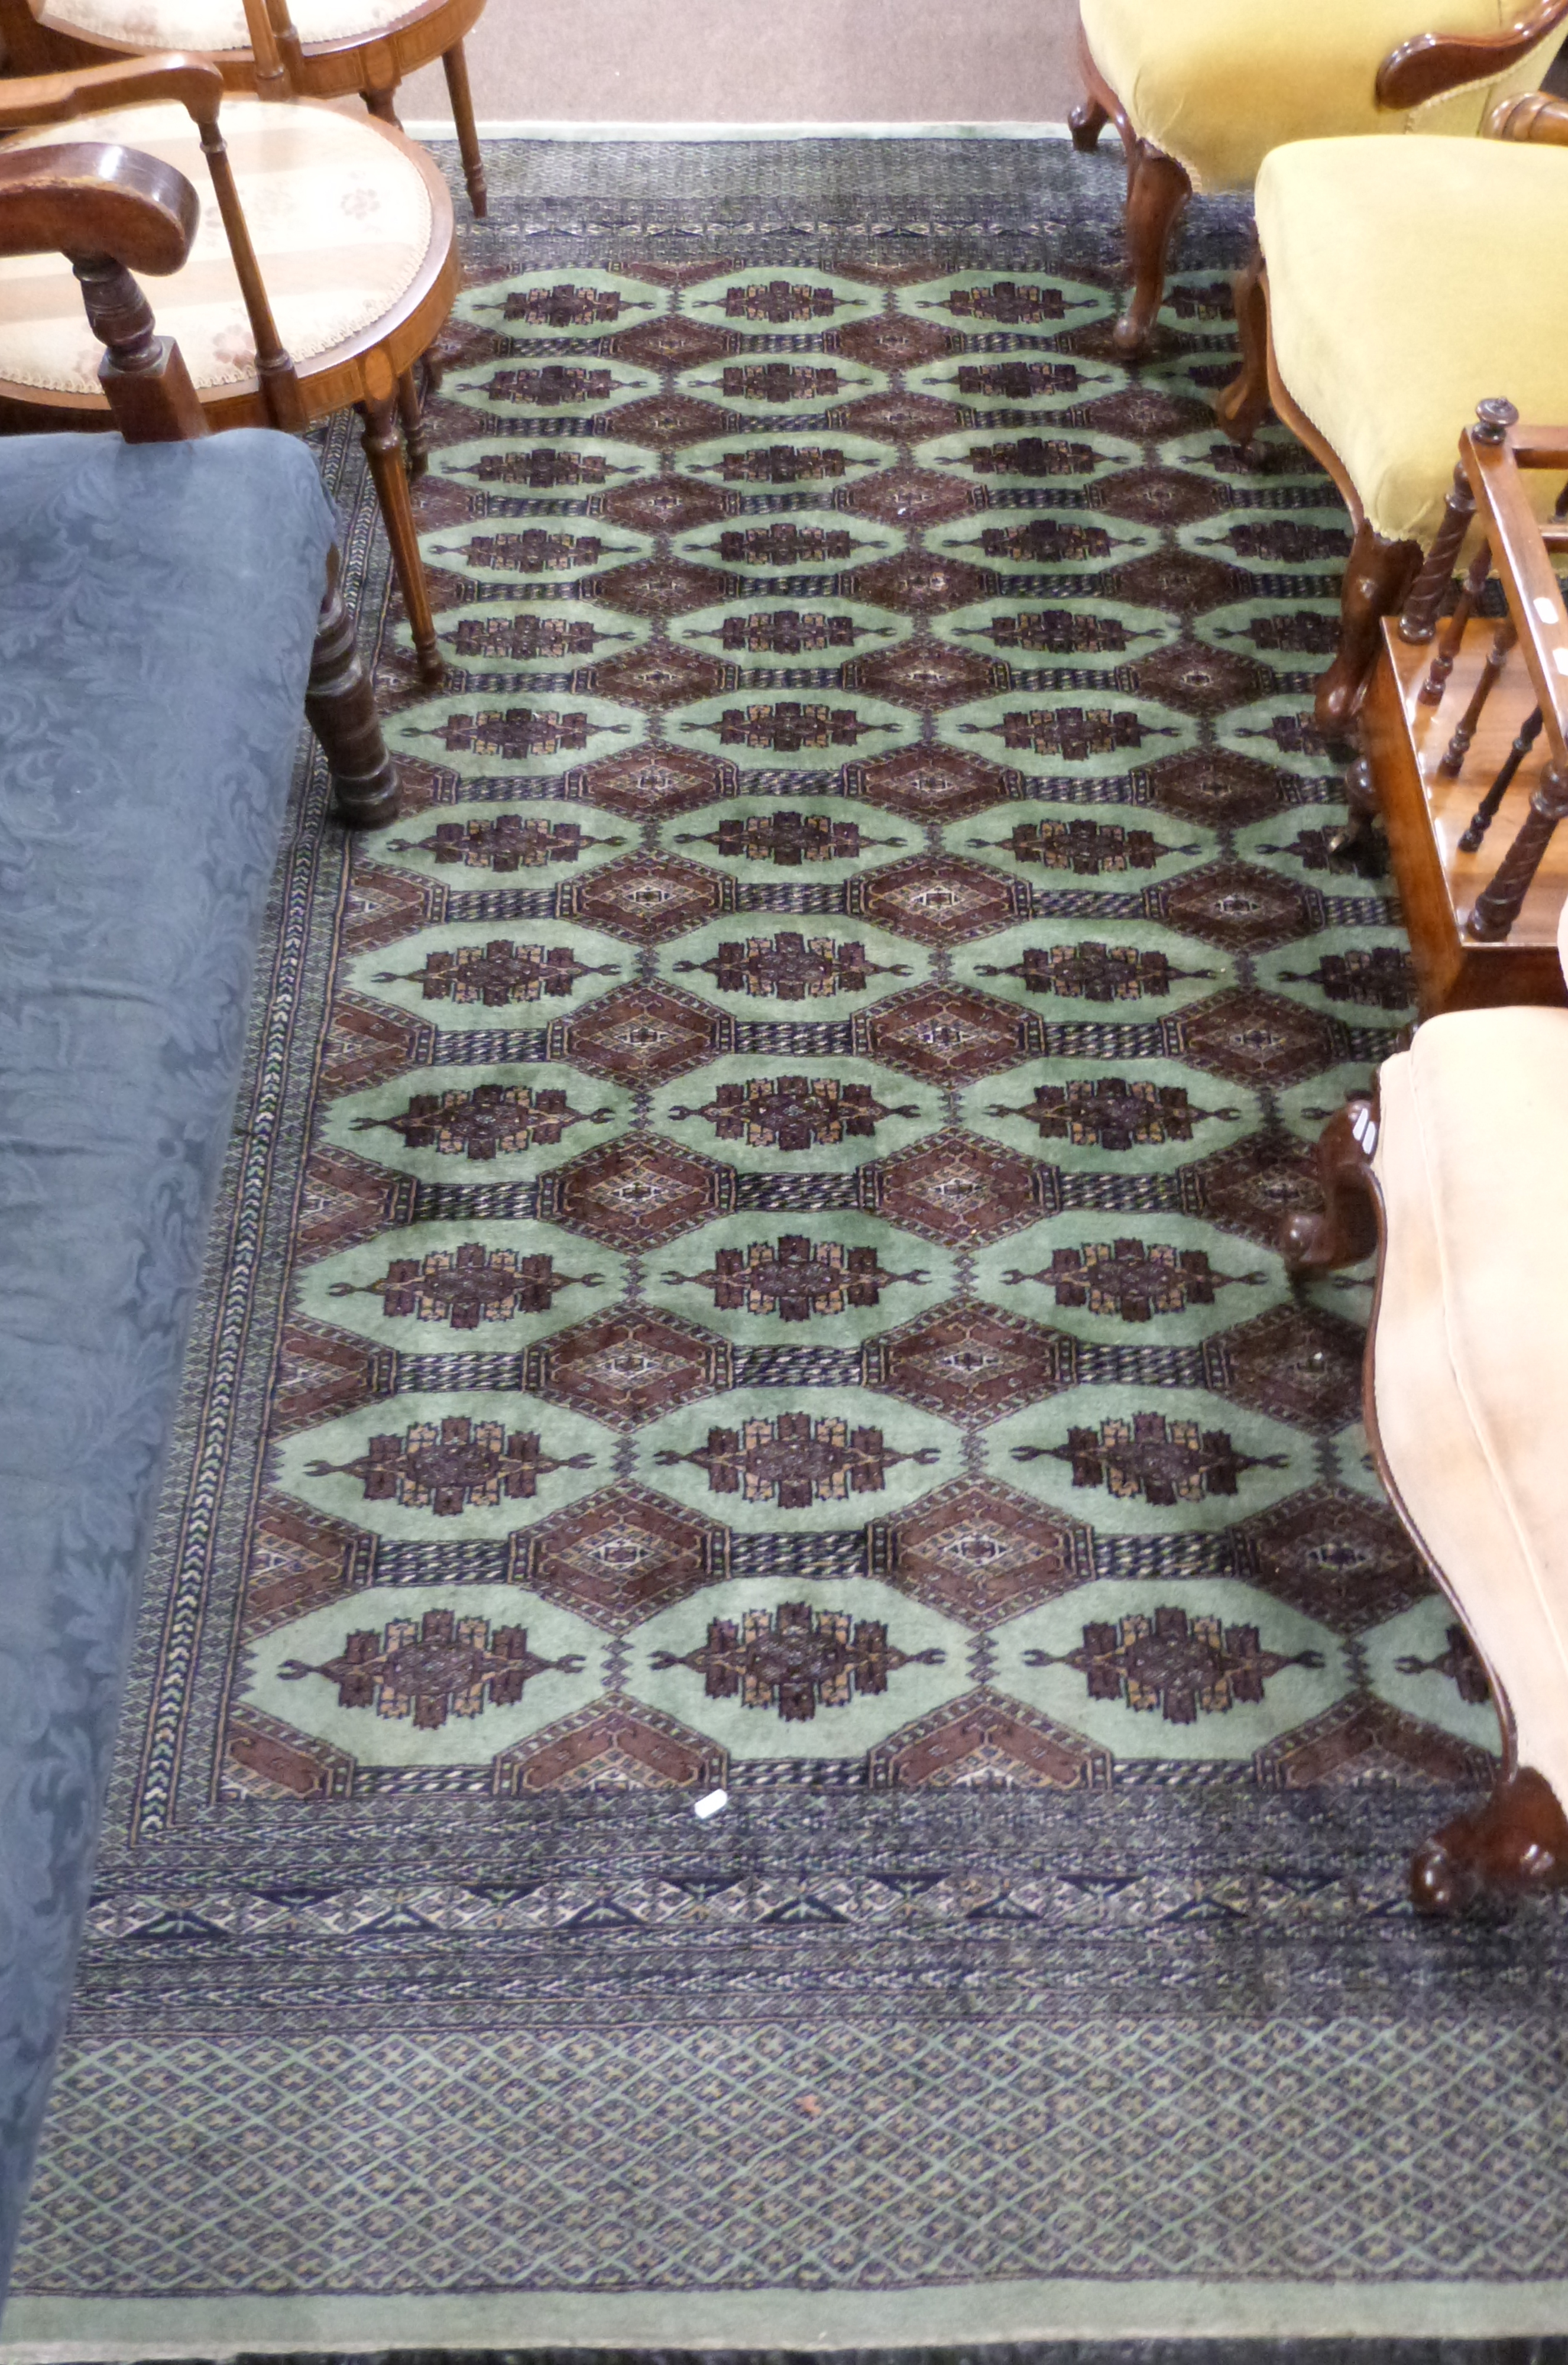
340, 708
1244, 403
1346, 1231
1376, 574
1086, 123
1158, 188
1515, 1845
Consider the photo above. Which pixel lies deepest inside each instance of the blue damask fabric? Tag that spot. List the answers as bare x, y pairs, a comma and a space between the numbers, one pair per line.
157, 608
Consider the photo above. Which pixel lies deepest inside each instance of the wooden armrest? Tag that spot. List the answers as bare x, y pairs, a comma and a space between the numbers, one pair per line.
194, 81
112, 211
89, 199
1424, 68
1534, 116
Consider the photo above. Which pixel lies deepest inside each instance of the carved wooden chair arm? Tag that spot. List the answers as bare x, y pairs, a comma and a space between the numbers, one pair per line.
1534, 116
172, 74
111, 211
1434, 63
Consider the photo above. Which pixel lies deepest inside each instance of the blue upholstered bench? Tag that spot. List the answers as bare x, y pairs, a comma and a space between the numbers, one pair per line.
160, 621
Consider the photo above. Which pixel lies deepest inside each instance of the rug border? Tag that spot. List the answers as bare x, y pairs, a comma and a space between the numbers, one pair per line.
79, 2331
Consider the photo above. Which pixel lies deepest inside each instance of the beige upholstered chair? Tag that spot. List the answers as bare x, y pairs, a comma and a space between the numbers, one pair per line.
339, 47
1455, 1170
1401, 282
323, 268
1201, 90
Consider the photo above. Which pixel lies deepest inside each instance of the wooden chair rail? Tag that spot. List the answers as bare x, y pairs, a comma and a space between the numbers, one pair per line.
1434, 63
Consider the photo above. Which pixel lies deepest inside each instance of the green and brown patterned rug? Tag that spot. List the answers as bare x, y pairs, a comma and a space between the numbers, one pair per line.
749, 1269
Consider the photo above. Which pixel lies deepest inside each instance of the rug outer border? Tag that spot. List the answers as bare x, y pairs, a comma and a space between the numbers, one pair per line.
78, 2331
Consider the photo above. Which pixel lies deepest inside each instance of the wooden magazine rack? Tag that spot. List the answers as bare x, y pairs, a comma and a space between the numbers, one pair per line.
1466, 743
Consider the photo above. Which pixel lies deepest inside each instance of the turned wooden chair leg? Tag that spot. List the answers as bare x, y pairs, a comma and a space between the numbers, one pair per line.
1243, 406
455, 65
1515, 1845
340, 708
410, 410
1158, 188
1086, 123
1346, 1231
383, 449
1376, 574
381, 105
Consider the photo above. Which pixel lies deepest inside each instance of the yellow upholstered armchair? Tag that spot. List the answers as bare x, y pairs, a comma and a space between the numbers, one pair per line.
1398, 283
1201, 90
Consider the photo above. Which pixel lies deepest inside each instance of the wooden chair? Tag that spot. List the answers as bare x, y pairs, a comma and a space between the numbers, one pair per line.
1201, 90
347, 282
1452, 1169
341, 48
1394, 281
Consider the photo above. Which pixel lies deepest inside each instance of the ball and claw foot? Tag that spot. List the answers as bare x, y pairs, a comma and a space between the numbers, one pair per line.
1513, 1846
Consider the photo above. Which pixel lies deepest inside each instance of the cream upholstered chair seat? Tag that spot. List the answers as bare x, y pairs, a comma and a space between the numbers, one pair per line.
1468, 1391
340, 216
1406, 282
214, 26
1217, 84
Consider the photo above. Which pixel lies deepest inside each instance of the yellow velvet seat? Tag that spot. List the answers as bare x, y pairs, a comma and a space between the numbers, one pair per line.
1217, 84
1407, 283
1202, 90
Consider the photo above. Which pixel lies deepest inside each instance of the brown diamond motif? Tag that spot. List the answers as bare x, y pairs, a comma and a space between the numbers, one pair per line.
902, 418
642, 1033
1301, 1365
1252, 1186
913, 498
937, 900
1336, 1557
637, 1193
674, 342
972, 1364
1201, 679
659, 676
668, 420
1178, 580
937, 1033
625, 1370
920, 584
1215, 786
619, 1555
1145, 415
962, 1191
1256, 1038
659, 587
928, 783
1160, 496
665, 505
654, 781
981, 1741
648, 897
1238, 906
925, 672
894, 342
981, 1553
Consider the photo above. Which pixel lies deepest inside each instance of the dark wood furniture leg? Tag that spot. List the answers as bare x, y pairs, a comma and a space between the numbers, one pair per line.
1346, 1231
455, 65
1359, 838
1158, 188
383, 449
416, 438
1086, 123
1244, 404
1514, 1845
1376, 574
340, 708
